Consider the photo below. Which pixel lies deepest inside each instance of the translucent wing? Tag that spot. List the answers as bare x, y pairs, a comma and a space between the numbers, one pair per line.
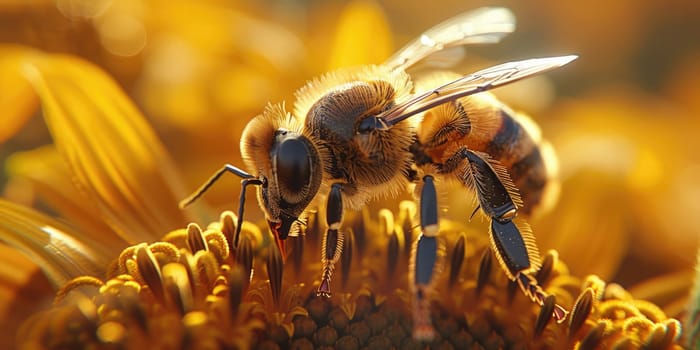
482, 80
484, 25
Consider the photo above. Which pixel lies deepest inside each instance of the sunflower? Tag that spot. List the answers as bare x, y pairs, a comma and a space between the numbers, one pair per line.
132, 270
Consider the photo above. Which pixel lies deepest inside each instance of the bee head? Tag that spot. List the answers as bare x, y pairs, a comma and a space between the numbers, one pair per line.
296, 176
288, 164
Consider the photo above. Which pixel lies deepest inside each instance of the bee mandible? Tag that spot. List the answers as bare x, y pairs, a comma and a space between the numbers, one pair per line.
357, 134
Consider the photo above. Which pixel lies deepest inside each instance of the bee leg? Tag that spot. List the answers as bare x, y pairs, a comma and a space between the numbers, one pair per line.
512, 253
332, 245
424, 261
248, 179
514, 244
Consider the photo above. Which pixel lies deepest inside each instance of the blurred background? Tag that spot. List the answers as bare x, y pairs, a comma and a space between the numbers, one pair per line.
623, 118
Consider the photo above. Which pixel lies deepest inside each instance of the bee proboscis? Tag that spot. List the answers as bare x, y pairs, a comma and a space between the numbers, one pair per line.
361, 133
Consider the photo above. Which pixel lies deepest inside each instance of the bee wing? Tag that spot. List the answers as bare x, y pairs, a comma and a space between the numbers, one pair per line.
481, 26
482, 80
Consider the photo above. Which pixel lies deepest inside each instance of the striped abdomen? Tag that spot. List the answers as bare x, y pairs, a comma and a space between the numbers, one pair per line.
483, 124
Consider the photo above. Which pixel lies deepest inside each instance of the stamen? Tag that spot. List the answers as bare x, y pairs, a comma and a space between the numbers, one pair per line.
176, 285
386, 222
149, 270
237, 283
673, 329
392, 256
274, 272
408, 210
124, 257
545, 271
207, 269
596, 284
637, 325
164, 252
582, 308
189, 262
482, 277
545, 314
297, 254
649, 310
78, 282
244, 256
195, 239
217, 244
457, 259
617, 309
228, 221
313, 225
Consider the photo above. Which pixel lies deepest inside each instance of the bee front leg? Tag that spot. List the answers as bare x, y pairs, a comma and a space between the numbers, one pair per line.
424, 261
512, 242
332, 245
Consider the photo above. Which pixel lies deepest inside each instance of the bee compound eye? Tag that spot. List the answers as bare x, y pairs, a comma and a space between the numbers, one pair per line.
293, 163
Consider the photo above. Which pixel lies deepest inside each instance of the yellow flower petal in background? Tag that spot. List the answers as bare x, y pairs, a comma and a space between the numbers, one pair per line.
362, 36
51, 245
43, 173
17, 99
120, 165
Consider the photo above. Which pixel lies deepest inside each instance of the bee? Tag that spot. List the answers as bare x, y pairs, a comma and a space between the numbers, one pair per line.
357, 134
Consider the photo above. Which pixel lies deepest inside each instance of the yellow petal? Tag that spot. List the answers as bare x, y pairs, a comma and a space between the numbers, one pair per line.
362, 36
51, 244
17, 99
119, 163
48, 175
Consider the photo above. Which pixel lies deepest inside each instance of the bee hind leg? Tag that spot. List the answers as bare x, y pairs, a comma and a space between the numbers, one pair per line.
332, 245
511, 239
425, 262
513, 255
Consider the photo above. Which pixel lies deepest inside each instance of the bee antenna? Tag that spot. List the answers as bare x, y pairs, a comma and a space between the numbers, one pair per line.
226, 168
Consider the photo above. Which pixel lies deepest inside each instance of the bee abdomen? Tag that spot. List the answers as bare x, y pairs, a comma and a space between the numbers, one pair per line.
483, 124
520, 151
